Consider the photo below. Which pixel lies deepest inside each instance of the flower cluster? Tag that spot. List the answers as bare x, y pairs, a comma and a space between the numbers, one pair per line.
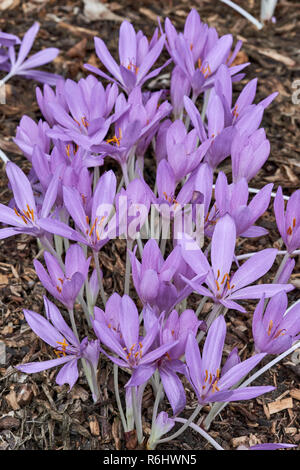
170, 158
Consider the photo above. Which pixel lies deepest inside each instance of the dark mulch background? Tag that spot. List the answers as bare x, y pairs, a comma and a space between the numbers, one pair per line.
34, 412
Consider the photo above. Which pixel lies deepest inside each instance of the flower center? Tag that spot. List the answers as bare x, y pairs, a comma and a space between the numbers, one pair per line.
62, 351
132, 67
275, 334
134, 353
205, 70
210, 382
26, 216
116, 140
220, 284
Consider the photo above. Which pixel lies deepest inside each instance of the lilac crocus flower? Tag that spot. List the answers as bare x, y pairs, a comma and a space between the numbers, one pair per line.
244, 103
26, 67
29, 134
138, 120
217, 135
174, 328
233, 200
183, 154
221, 286
153, 277
77, 118
26, 215
288, 221
248, 153
92, 226
8, 40
274, 331
55, 332
199, 52
65, 284
210, 383
136, 55
122, 337
162, 425
132, 208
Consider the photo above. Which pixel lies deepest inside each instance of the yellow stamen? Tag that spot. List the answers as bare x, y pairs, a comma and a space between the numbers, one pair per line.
115, 139
93, 226
270, 327
68, 150
84, 122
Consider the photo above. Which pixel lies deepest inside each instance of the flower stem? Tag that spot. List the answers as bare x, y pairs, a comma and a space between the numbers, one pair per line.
202, 432
128, 267
99, 275
118, 399
156, 405
214, 313
281, 267
243, 13
48, 247
125, 174
136, 414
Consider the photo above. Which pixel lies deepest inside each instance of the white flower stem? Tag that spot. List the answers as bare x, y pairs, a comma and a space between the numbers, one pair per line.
202, 432
118, 399
97, 265
137, 417
128, 267
279, 253
243, 13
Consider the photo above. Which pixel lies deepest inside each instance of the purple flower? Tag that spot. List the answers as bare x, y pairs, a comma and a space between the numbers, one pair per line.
161, 426
122, 337
244, 103
205, 374
275, 330
174, 328
248, 152
136, 55
288, 221
132, 208
138, 120
55, 332
65, 284
92, 226
217, 137
29, 134
26, 216
183, 154
76, 118
233, 200
221, 286
153, 276
199, 52
21, 66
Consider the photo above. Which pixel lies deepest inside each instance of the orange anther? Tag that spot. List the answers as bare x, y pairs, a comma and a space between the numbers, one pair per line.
270, 327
